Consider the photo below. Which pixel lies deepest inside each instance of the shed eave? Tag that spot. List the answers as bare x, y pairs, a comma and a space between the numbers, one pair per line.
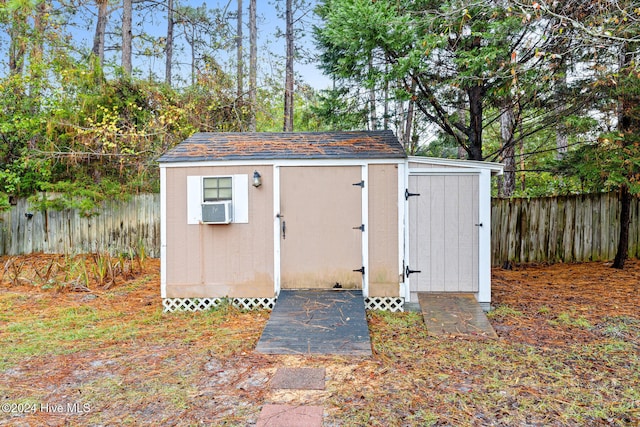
282, 162
494, 167
187, 159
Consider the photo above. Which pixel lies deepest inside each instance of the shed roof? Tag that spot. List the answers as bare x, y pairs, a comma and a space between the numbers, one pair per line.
211, 146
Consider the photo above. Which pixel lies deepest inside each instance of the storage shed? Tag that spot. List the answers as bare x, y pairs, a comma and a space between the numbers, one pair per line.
244, 215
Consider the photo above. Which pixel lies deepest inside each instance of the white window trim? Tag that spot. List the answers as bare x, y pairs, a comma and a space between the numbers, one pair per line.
239, 202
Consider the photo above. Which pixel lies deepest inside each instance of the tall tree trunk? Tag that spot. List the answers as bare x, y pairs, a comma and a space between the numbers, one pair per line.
476, 97
398, 118
288, 85
625, 218
385, 119
18, 42
101, 27
561, 131
628, 125
168, 50
409, 121
372, 101
37, 48
253, 64
37, 52
507, 130
239, 65
192, 44
462, 118
127, 19
399, 113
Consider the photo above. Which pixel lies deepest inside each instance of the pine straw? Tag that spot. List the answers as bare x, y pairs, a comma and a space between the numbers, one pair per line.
568, 354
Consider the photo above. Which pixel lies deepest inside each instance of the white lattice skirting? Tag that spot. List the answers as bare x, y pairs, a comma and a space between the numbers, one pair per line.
392, 304
198, 304
170, 305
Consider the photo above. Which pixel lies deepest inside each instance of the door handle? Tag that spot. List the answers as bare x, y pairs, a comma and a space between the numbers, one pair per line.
283, 225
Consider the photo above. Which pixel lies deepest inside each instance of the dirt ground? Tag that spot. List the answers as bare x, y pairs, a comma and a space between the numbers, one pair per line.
81, 349
590, 291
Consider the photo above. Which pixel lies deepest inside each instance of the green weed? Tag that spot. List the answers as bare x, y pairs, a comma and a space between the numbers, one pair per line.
502, 311
544, 310
570, 319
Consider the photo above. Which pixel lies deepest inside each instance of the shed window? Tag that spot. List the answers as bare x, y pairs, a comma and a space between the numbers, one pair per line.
217, 189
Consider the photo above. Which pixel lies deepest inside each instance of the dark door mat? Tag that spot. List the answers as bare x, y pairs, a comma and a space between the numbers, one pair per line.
317, 322
290, 416
454, 314
298, 379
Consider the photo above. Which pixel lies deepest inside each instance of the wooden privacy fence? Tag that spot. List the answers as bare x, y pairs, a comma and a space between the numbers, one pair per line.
549, 229
565, 228
120, 227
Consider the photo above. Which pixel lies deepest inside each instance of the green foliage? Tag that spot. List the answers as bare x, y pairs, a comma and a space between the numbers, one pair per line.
337, 112
91, 138
444, 147
306, 101
604, 166
78, 194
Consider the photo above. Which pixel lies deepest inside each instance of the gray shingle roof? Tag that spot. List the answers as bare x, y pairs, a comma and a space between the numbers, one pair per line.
209, 146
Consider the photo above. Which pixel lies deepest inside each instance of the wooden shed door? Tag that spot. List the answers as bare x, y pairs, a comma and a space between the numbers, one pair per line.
443, 233
320, 209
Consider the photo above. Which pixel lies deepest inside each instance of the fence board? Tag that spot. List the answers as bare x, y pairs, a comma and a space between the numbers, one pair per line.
569, 229
562, 223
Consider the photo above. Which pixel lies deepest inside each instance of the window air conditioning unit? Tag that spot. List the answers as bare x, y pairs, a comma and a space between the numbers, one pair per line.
217, 212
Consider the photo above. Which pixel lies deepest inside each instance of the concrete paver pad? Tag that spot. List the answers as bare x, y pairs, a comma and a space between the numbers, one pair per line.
451, 313
299, 379
290, 416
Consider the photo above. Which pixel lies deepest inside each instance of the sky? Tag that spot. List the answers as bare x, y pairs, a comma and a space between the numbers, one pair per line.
268, 42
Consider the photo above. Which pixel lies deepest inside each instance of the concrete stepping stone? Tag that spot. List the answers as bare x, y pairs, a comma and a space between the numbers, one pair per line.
290, 416
298, 379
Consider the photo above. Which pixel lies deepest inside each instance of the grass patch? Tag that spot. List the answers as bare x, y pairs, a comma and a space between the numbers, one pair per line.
570, 319
502, 311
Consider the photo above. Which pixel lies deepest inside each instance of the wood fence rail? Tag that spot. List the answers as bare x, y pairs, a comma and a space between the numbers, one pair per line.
548, 229
120, 227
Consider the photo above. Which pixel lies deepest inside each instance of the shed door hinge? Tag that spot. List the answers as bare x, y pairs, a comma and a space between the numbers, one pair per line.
407, 194
361, 270
360, 227
359, 184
